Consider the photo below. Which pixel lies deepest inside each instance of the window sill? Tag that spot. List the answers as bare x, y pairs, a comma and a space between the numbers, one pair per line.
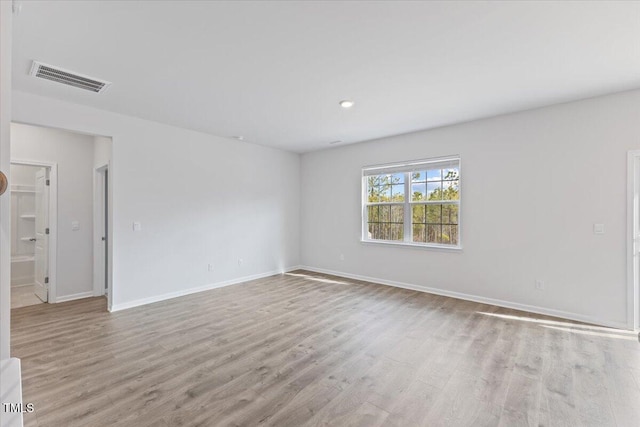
444, 248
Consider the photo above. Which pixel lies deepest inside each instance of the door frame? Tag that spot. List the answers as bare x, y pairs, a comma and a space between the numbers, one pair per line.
98, 222
52, 294
633, 229
99, 267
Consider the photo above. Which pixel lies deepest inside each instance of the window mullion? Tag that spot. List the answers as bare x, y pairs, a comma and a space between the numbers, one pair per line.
407, 207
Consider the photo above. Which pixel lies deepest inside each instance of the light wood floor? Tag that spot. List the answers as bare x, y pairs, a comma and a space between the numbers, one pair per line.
307, 349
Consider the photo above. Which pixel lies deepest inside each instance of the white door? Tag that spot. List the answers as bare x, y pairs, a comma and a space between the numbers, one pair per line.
41, 287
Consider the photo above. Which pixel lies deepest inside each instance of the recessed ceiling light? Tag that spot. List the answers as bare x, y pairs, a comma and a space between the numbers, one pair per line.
347, 103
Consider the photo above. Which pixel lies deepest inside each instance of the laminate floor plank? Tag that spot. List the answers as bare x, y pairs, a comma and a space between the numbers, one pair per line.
317, 350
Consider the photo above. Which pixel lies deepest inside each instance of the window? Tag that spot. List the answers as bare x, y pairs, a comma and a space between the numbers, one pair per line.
415, 203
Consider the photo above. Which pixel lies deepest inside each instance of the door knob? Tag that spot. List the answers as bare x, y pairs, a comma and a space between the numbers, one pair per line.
3, 183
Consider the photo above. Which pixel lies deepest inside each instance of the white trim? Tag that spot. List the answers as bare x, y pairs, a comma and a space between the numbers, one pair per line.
474, 298
98, 222
53, 222
181, 293
110, 245
445, 248
633, 205
404, 166
72, 297
408, 203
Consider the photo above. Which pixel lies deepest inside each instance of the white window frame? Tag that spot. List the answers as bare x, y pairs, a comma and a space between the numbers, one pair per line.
407, 168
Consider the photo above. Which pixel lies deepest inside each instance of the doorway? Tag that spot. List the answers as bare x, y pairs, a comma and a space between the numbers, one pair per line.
33, 190
77, 156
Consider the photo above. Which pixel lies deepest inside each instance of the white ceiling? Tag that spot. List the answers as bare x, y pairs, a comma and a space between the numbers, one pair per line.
274, 72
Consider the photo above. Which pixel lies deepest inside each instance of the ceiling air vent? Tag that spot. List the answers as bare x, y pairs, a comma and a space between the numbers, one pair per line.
71, 78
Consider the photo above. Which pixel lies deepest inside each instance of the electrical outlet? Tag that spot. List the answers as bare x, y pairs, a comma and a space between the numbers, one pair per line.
341, 257
540, 285
210, 267
240, 261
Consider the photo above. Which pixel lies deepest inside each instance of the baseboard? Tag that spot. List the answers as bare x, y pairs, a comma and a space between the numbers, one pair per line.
22, 285
208, 287
475, 298
71, 297
22, 281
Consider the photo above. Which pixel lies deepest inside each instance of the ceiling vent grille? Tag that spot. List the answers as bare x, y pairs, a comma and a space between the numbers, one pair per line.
71, 78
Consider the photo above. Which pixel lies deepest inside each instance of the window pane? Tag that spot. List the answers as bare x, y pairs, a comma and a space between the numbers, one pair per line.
418, 214
454, 235
383, 231
373, 231
372, 214
433, 234
449, 214
450, 190
397, 178
397, 214
419, 233
379, 188
385, 213
418, 192
434, 191
397, 193
384, 193
372, 195
450, 234
419, 176
446, 233
434, 215
397, 232
450, 173
434, 175
380, 232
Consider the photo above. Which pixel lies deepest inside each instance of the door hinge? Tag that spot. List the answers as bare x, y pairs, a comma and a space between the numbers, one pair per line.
48, 182
46, 280
46, 231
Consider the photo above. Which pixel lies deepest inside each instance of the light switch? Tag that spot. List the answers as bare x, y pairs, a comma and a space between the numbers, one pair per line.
598, 228
75, 225
137, 226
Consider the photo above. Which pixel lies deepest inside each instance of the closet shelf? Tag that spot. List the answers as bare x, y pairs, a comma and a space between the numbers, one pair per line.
28, 216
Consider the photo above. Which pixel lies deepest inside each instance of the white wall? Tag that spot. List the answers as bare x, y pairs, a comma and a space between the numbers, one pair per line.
73, 153
533, 185
23, 176
101, 151
200, 199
